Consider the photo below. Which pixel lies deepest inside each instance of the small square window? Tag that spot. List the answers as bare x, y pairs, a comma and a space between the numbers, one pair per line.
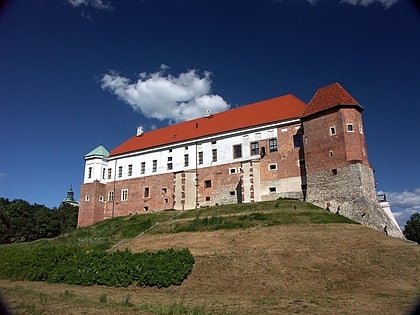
169, 158
333, 131
164, 190
334, 171
272, 189
170, 166
232, 193
146, 208
207, 198
272, 167
232, 170
350, 128
207, 183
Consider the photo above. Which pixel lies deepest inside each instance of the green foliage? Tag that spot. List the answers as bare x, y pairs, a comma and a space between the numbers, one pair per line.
412, 228
23, 222
74, 265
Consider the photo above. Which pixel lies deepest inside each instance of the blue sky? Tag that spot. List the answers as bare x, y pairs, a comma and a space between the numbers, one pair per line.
78, 73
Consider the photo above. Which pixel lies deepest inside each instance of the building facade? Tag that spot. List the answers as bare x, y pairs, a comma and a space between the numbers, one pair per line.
275, 148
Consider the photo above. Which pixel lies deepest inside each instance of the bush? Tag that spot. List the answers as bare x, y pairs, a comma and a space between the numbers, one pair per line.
72, 265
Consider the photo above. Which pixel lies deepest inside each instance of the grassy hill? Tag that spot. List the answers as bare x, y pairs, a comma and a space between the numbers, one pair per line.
280, 257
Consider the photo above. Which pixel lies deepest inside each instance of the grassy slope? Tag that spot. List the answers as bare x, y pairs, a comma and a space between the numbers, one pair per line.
284, 262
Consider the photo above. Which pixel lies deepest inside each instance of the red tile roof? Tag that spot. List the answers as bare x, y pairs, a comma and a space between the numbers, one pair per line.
269, 111
328, 97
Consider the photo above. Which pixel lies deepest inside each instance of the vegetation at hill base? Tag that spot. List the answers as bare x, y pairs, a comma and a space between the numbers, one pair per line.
23, 222
412, 228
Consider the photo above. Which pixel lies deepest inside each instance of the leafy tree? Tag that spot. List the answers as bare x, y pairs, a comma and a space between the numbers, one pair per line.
412, 228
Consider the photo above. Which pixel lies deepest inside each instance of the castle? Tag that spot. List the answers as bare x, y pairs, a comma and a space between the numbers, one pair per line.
275, 148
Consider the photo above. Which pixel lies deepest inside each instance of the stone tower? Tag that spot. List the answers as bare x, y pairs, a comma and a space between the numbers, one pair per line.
338, 172
93, 191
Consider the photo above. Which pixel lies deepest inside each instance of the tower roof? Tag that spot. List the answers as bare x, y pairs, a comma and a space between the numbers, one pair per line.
269, 111
99, 151
328, 97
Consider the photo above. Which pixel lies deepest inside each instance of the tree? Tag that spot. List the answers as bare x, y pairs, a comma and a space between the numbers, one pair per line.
412, 228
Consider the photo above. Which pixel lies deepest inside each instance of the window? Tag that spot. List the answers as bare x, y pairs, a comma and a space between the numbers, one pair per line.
124, 194
130, 169
169, 158
350, 128
214, 155
186, 160
119, 171
87, 198
146, 208
146, 192
154, 166
237, 151
200, 157
255, 148
207, 198
170, 166
109, 173
361, 129
90, 172
143, 167
332, 131
331, 154
272, 189
103, 173
272, 167
213, 142
334, 171
101, 198
110, 196
207, 183
298, 141
232, 193
232, 170
164, 190
272, 144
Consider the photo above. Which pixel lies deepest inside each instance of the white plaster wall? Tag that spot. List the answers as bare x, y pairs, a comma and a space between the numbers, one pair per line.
223, 143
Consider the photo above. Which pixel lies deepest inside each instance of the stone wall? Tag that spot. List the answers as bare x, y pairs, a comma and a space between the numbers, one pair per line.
352, 189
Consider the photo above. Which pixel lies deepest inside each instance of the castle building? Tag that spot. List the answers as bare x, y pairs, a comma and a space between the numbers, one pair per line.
275, 148
70, 198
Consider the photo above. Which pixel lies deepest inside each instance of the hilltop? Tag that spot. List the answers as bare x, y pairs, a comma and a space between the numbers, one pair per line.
271, 258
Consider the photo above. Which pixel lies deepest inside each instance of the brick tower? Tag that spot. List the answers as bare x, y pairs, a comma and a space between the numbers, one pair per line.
338, 172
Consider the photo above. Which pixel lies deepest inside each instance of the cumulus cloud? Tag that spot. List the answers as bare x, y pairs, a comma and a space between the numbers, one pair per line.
404, 204
97, 4
163, 96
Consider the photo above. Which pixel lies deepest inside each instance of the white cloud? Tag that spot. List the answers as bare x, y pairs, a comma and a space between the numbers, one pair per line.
404, 204
365, 3
165, 97
97, 4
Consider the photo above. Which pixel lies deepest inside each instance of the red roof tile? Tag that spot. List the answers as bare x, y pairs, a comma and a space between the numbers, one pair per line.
328, 97
269, 111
